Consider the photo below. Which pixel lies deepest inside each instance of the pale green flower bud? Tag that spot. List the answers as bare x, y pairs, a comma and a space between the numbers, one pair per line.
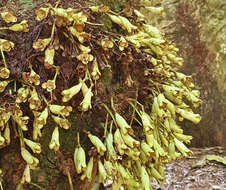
55, 140
35, 147
101, 148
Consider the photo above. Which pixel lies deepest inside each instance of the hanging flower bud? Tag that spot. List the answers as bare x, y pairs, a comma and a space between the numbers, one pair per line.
110, 169
35, 147
3, 85
147, 149
8, 17
49, 57
6, 45
62, 122
147, 122
69, 93
130, 141
95, 73
124, 126
86, 102
80, 159
107, 43
41, 44
184, 138
55, 140
101, 148
41, 13
36, 130
22, 95
101, 172
145, 179
49, 85
26, 178
156, 174
195, 118
4, 117
89, 170
60, 110
182, 148
34, 101
7, 134
31, 160
31, 77
4, 73
42, 119
121, 146
150, 139
110, 147
2, 140
22, 26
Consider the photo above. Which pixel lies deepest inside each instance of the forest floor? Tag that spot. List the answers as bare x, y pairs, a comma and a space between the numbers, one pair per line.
195, 172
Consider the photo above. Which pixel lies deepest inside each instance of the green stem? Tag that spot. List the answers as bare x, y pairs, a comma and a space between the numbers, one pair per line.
69, 180
3, 57
78, 139
21, 136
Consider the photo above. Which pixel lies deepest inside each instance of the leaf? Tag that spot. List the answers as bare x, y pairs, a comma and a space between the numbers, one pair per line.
216, 158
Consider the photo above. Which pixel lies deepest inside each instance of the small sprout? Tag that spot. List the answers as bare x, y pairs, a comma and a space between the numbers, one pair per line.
22, 26
101, 148
60, 110
34, 101
41, 13
55, 140
69, 93
8, 17
49, 85
22, 95
4, 73
35, 147
6, 45
41, 44
64, 123
29, 159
